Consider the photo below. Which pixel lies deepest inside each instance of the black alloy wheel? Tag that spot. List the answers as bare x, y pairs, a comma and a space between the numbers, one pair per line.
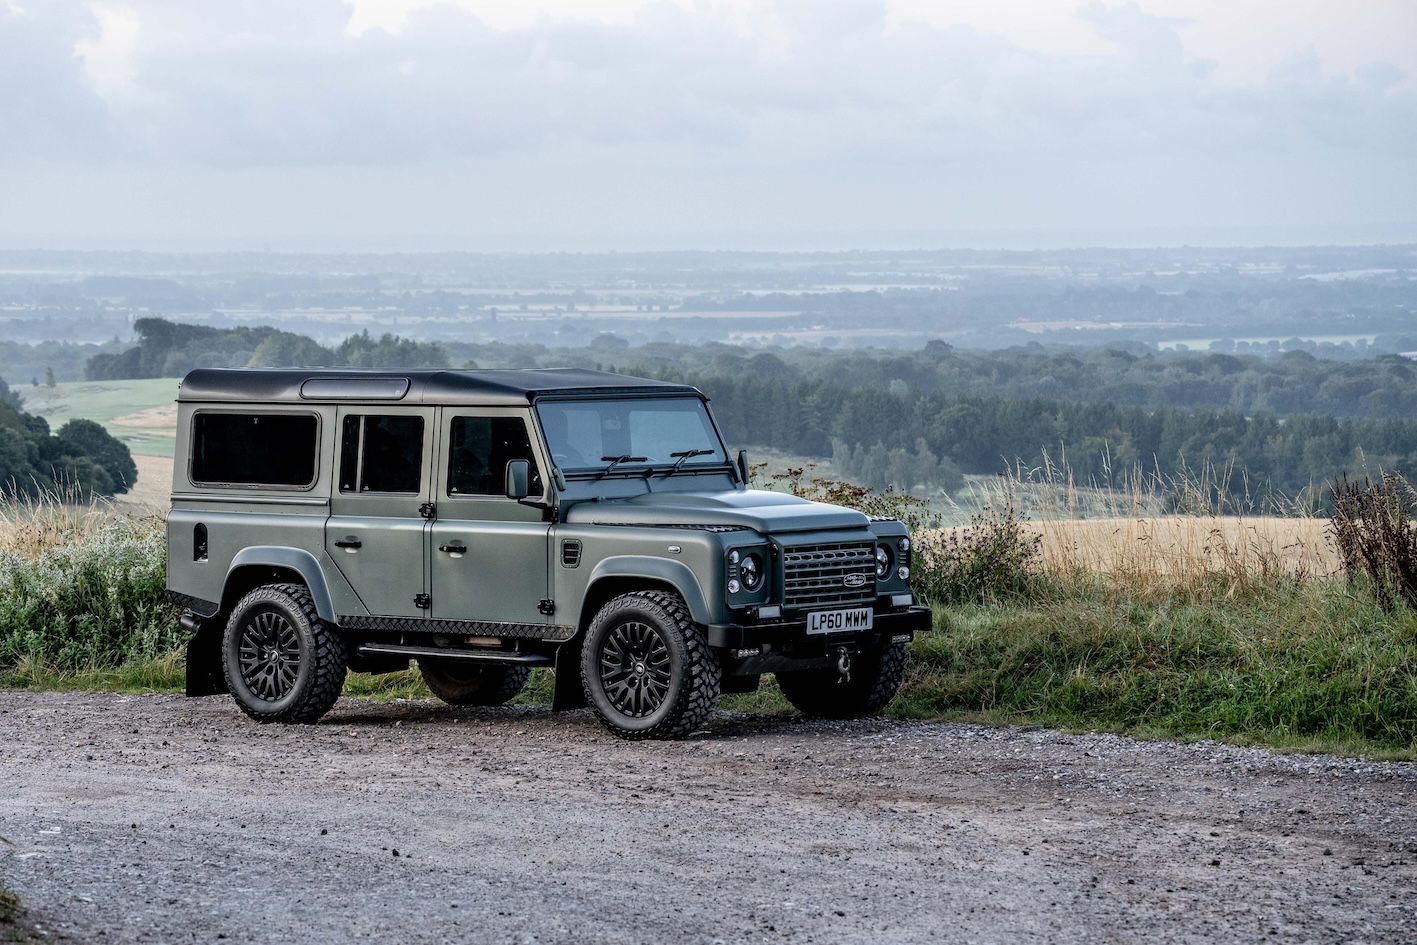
635, 668
269, 656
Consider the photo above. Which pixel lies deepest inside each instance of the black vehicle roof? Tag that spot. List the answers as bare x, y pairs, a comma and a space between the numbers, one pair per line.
494, 387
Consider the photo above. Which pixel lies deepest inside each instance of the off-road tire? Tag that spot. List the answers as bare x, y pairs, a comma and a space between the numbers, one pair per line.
875, 678
461, 682
303, 678
623, 679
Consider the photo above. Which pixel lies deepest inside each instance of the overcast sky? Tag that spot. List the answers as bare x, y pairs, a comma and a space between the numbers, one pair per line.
487, 124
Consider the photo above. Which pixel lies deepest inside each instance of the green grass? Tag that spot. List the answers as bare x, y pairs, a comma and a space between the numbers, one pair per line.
1297, 666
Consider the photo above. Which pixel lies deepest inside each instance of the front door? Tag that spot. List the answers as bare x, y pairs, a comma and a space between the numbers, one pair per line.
377, 532
488, 553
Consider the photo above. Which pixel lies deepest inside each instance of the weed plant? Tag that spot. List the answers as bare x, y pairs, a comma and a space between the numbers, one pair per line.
1373, 532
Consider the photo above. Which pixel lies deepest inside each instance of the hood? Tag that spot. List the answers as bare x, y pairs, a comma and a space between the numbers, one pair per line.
766, 512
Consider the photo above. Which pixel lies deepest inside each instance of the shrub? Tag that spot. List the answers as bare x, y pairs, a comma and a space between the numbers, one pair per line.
96, 599
995, 554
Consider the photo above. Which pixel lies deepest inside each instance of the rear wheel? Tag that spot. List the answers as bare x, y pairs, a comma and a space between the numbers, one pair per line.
825, 693
282, 663
646, 668
461, 682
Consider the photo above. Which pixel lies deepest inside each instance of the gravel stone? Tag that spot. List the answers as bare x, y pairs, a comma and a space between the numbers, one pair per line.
516, 825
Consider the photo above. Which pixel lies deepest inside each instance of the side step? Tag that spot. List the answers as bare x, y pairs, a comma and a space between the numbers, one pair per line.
447, 653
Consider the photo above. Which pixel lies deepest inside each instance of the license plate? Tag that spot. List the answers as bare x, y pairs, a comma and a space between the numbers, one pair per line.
839, 621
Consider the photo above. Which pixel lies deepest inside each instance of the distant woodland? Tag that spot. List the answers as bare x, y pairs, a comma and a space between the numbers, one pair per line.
81, 458
923, 419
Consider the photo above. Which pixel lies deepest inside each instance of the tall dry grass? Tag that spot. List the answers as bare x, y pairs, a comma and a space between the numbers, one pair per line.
1162, 530
31, 525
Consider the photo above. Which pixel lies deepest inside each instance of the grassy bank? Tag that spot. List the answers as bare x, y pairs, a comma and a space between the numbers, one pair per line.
1239, 633
1308, 665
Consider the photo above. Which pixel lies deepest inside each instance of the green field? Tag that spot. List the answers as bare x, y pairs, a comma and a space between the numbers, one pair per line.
140, 413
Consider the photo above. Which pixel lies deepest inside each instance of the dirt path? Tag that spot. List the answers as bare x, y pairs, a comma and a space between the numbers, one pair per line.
137, 819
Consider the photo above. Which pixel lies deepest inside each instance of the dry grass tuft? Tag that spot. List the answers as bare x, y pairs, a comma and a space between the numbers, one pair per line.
29, 526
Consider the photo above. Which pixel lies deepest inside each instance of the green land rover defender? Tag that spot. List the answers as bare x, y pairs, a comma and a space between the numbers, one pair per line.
482, 523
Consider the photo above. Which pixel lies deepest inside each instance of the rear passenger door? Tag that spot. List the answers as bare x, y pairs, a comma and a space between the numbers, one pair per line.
488, 553
377, 531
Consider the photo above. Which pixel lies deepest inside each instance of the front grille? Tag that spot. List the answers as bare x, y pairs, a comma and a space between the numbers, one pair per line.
815, 574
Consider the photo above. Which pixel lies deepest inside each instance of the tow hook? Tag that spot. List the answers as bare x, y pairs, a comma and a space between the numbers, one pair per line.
843, 664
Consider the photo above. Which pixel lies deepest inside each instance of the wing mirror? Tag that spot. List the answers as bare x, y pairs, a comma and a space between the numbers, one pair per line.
743, 466
518, 479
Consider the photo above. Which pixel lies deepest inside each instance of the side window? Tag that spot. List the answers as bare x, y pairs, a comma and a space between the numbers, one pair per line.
242, 449
478, 451
381, 454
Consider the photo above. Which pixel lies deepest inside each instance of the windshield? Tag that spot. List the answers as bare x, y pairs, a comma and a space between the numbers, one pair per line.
598, 434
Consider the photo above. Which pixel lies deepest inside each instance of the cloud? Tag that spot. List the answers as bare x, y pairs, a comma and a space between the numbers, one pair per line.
265, 83
47, 103
700, 103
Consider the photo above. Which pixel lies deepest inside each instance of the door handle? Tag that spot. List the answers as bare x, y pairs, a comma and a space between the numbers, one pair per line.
350, 543
453, 549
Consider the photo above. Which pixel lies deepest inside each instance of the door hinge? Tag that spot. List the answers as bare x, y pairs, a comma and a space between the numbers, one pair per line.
422, 601
428, 510
547, 607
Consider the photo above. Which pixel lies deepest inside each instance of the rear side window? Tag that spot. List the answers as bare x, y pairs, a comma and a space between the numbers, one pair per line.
381, 454
264, 449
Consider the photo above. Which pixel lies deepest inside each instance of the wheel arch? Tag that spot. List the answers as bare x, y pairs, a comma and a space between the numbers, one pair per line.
612, 577
252, 567
259, 565
627, 573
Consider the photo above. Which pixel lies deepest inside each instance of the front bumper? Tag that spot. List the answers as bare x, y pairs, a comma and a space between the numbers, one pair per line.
793, 633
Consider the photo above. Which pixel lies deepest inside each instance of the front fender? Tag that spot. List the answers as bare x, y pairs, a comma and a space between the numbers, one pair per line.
675, 573
302, 562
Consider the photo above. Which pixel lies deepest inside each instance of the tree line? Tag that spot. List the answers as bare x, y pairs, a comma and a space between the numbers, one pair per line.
171, 349
922, 419
926, 439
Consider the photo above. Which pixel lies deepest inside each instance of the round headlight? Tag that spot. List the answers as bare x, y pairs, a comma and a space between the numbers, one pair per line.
883, 562
903, 545
751, 571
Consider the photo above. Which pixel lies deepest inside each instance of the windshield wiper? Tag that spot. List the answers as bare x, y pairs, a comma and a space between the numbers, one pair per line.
617, 460
683, 455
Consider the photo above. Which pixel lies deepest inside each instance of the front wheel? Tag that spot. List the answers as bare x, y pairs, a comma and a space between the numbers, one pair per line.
282, 662
457, 682
646, 668
825, 693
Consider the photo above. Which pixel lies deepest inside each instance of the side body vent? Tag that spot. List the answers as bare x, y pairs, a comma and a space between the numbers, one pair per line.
570, 553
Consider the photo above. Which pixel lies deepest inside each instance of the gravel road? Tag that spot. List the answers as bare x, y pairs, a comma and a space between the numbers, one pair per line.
163, 819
